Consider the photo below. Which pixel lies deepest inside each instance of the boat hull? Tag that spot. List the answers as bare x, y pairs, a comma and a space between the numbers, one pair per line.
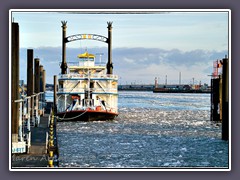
86, 115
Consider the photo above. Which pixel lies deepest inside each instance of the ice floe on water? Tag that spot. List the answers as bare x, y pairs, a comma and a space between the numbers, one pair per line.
152, 130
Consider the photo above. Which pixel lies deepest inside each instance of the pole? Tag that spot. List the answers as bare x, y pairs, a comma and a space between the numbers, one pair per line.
15, 82
37, 75
55, 93
30, 85
41, 77
225, 99
44, 84
30, 72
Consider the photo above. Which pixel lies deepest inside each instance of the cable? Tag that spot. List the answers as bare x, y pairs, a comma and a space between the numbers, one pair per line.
61, 119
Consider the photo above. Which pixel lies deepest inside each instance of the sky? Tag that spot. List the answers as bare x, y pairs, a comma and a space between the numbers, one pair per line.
145, 44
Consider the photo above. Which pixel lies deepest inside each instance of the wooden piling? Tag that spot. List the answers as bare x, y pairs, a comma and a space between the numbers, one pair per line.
43, 83
215, 116
44, 80
15, 81
41, 77
37, 75
30, 87
225, 99
30, 78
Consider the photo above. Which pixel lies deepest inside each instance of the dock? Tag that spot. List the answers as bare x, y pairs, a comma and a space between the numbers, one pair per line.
43, 151
33, 124
37, 156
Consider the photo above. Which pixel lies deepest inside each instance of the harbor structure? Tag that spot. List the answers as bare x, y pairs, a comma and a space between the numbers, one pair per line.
27, 108
181, 88
220, 95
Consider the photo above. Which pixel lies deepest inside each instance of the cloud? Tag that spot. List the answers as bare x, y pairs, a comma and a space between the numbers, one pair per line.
138, 65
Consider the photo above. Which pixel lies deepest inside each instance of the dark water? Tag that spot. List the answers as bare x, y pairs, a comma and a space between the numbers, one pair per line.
151, 131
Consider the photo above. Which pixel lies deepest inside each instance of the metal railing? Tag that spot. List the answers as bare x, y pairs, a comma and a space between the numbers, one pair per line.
93, 90
29, 107
85, 76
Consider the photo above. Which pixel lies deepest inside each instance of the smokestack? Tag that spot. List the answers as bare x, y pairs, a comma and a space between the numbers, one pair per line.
109, 64
64, 63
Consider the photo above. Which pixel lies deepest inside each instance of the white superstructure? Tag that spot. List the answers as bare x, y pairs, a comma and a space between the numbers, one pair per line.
86, 86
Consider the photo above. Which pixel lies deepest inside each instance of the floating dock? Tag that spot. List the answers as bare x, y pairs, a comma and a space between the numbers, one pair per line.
43, 151
33, 133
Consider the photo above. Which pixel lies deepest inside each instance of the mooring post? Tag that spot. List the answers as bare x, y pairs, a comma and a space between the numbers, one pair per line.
220, 98
44, 80
36, 89
225, 99
37, 75
215, 99
41, 78
15, 81
30, 85
109, 64
55, 94
41, 96
44, 84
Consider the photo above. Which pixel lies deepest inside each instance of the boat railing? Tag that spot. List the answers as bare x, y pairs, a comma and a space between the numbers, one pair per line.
93, 90
30, 108
85, 76
70, 90
81, 63
105, 90
100, 64
73, 63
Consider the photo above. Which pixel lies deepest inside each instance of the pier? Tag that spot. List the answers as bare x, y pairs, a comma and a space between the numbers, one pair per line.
33, 132
43, 151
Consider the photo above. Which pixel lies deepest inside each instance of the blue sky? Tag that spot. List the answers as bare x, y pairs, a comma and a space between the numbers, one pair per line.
145, 46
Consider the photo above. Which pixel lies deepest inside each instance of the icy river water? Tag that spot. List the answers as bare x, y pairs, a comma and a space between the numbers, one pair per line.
153, 130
